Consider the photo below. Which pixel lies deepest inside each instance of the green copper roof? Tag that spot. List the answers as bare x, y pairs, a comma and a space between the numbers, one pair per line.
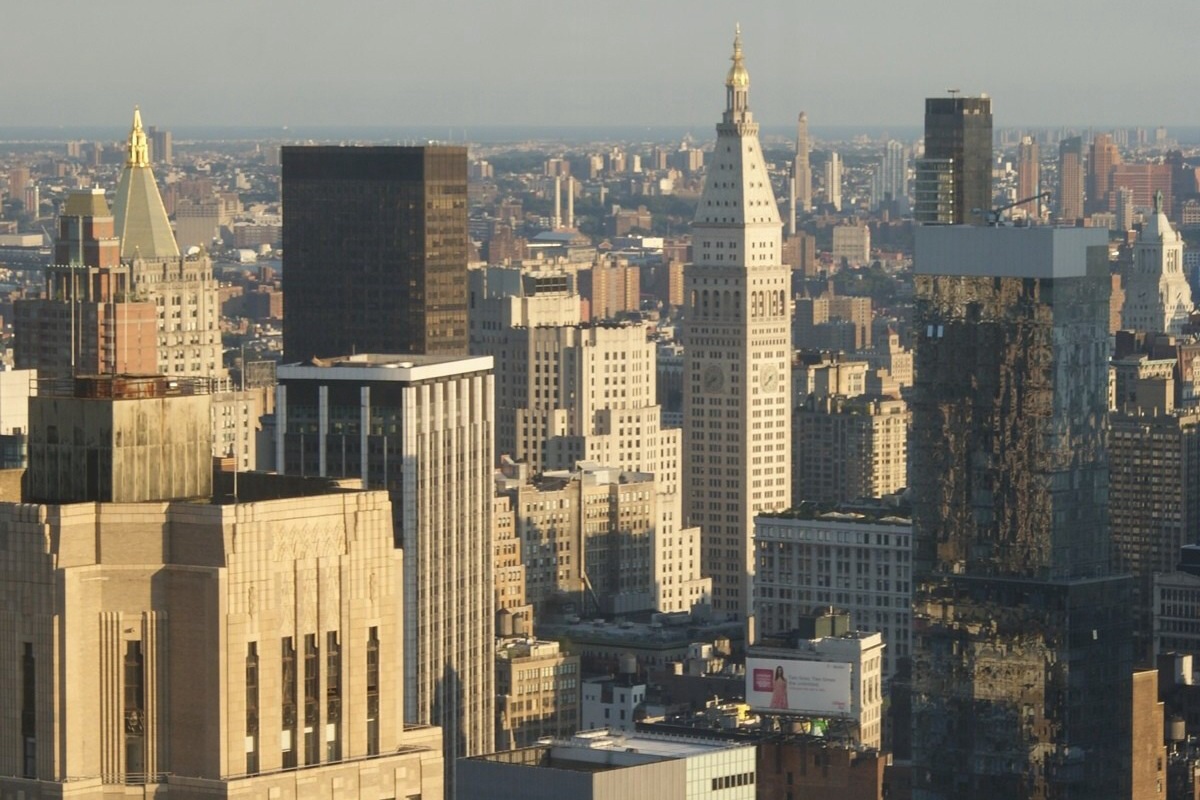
141, 220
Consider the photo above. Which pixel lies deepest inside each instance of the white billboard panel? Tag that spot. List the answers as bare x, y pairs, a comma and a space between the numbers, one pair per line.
783, 686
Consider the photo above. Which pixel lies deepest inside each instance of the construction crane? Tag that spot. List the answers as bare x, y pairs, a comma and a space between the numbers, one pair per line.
992, 218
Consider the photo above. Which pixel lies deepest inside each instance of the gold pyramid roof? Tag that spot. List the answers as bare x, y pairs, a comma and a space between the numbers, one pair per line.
139, 214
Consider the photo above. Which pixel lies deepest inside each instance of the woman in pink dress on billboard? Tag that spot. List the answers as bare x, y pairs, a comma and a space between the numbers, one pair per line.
779, 691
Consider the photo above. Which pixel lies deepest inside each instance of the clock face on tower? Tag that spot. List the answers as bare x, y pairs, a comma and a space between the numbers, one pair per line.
768, 377
713, 379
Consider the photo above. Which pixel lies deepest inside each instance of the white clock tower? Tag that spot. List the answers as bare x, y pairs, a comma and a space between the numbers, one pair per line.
737, 361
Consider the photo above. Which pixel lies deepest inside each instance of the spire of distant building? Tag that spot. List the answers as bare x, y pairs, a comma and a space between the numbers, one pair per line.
737, 84
141, 218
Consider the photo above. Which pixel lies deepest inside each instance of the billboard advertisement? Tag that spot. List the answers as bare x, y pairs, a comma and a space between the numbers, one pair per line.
783, 686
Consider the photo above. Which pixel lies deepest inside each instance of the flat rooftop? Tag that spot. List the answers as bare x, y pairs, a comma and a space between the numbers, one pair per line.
600, 750
977, 251
403, 368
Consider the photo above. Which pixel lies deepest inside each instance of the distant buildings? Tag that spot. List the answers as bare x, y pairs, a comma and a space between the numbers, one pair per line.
889, 185
833, 181
1070, 179
833, 322
1103, 157
954, 179
377, 241
738, 354
1029, 179
801, 168
852, 245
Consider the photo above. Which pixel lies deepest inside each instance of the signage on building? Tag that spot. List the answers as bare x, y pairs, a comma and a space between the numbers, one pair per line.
788, 686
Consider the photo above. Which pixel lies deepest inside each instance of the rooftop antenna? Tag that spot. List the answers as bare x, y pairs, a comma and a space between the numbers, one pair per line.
953, 92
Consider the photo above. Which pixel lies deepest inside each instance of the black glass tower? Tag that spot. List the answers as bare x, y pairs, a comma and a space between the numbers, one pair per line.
954, 179
1022, 656
375, 250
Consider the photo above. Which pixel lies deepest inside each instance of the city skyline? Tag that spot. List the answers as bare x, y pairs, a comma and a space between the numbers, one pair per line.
364, 64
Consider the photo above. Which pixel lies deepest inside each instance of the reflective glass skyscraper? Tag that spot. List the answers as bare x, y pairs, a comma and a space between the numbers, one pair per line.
1021, 630
375, 250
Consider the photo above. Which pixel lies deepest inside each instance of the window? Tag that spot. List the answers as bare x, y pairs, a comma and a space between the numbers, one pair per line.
287, 736
333, 696
373, 692
252, 708
312, 682
29, 712
135, 712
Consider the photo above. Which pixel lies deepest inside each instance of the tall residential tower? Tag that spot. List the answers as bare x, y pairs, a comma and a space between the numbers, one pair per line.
737, 358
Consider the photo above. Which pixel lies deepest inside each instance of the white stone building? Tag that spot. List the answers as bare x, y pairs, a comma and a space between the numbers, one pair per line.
737, 335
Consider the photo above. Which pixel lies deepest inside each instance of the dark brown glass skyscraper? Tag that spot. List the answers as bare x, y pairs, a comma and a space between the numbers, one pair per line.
375, 250
954, 180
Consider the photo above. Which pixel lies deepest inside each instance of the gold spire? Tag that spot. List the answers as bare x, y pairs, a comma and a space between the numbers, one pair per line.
139, 151
738, 76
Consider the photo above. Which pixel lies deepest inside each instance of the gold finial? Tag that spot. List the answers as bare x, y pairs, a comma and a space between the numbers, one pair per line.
139, 150
738, 76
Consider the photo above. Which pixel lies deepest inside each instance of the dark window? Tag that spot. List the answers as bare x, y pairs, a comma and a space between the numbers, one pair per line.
252, 707
288, 670
312, 683
373, 692
29, 712
333, 695
135, 713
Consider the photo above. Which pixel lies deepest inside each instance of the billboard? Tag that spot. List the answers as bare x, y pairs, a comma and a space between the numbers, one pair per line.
785, 686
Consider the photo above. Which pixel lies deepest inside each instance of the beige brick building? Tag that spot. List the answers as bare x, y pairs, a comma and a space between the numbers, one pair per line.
847, 448
537, 693
184, 648
602, 539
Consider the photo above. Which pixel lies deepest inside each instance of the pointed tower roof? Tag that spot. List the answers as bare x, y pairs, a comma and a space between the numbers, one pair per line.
141, 220
1157, 228
738, 76
738, 189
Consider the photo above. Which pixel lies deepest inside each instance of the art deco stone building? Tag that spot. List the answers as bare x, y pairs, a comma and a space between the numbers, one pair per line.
1022, 648
737, 335
181, 287
164, 638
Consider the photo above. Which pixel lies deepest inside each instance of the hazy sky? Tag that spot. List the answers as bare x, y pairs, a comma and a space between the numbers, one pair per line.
610, 62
